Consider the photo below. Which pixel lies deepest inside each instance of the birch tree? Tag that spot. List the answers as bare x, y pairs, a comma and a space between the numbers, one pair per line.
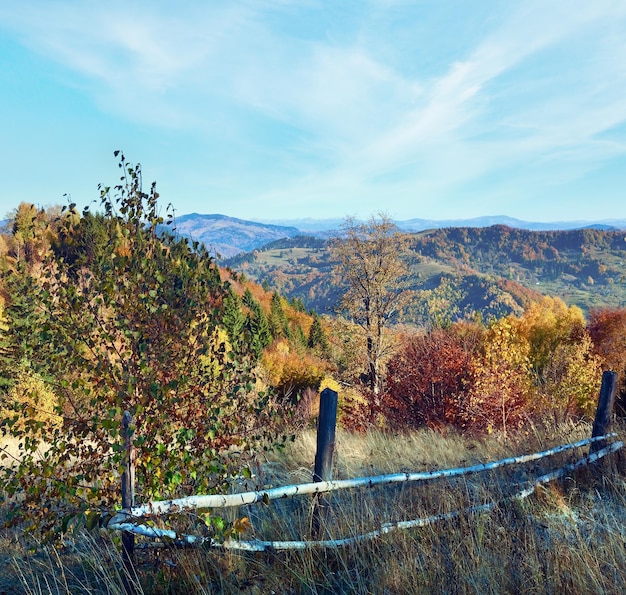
135, 325
371, 259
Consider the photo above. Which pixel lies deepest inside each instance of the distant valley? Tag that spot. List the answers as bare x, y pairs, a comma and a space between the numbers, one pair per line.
456, 273
486, 267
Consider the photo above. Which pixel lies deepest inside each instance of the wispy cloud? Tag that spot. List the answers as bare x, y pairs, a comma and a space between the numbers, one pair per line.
467, 98
338, 104
560, 120
129, 56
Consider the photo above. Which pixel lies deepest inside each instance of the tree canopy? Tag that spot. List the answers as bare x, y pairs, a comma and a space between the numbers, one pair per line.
369, 257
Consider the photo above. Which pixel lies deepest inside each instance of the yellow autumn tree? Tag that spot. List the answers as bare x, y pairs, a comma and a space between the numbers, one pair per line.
548, 324
500, 397
290, 372
572, 379
565, 371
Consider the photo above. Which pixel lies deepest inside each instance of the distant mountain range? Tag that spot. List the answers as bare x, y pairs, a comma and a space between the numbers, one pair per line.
229, 236
325, 225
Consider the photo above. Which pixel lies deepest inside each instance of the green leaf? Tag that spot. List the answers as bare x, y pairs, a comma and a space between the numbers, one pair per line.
92, 519
65, 521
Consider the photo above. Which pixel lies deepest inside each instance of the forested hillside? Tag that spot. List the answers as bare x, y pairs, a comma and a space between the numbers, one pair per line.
458, 271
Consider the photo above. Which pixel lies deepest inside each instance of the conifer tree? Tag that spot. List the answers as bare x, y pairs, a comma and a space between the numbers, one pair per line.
297, 304
300, 337
317, 337
256, 324
233, 319
278, 323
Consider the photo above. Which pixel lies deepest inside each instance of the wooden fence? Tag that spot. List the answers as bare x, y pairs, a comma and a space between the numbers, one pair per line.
132, 520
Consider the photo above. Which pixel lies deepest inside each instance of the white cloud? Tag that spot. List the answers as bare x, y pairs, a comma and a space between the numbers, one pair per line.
363, 117
130, 56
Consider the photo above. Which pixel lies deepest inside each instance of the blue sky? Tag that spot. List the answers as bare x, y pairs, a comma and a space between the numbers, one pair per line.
261, 109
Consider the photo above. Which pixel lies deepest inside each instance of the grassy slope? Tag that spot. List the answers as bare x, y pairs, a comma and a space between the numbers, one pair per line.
568, 538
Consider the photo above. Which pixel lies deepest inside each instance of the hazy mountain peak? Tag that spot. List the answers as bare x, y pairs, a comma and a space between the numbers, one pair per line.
228, 236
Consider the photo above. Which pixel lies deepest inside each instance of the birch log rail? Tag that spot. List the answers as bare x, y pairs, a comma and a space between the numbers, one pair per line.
162, 507
123, 523
132, 519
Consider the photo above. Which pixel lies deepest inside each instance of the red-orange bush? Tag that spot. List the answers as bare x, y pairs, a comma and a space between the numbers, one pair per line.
428, 379
607, 328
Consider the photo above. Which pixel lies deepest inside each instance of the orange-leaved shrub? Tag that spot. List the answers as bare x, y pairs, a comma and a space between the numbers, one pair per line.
541, 365
428, 380
290, 371
463, 375
607, 328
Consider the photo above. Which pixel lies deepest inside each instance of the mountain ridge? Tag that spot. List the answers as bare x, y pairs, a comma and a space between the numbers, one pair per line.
417, 224
228, 236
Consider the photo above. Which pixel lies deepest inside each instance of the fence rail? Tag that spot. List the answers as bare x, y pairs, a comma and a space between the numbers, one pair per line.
192, 503
125, 522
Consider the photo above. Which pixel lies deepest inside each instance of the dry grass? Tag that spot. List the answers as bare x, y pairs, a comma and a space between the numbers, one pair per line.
568, 538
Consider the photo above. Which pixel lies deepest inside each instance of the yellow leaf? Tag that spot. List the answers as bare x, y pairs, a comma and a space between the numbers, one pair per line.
241, 525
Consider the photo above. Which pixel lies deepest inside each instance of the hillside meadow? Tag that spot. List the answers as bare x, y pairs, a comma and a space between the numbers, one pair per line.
568, 537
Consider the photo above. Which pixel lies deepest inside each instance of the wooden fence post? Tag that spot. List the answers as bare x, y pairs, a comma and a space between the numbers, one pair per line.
604, 412
128, 498
323, 471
